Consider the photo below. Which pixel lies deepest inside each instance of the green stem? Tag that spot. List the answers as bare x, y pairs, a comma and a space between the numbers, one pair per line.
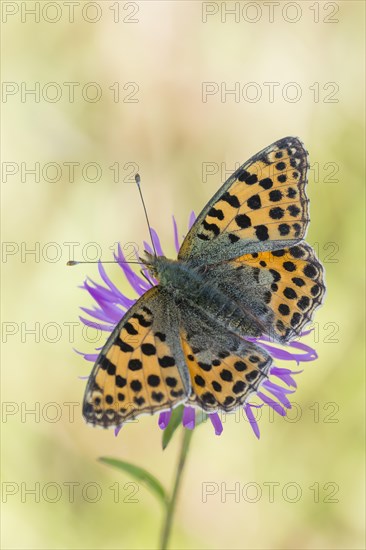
178, 478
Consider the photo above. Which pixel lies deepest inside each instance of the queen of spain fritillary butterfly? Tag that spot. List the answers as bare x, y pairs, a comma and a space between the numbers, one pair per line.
242, 271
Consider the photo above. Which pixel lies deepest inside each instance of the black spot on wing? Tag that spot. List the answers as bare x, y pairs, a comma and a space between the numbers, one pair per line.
211, 227
261, 232
216, 213
231, 199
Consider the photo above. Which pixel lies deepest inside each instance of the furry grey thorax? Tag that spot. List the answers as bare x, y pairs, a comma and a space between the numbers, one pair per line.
188, 284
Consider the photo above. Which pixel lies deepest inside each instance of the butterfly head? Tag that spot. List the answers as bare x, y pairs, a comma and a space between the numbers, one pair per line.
158, 266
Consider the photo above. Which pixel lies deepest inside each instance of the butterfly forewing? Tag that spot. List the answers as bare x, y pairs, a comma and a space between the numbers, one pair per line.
262, 206
138, 369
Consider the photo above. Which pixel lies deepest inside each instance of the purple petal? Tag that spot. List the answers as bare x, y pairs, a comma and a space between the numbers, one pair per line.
192, 219
164, 419
99, 293
87, 356
252, 420
278, 353
176, 238
285, 355
115, 311
189, 418
107, 300
120, 298
83, 377
216, 422
156, 242
279, 392
285, 375
117, 429
91, 357
310, 353
271, 403
276, 388
137, 283
102, 315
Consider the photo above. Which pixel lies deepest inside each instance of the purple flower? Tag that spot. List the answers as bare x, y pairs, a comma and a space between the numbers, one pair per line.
112, 304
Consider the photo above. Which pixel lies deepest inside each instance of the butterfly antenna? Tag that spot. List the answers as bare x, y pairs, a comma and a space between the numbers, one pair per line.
76, 262
138, 180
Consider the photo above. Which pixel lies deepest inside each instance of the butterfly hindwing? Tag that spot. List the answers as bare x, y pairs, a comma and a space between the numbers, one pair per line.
262, 206
296, 290
279, 290
139, 369
224, 368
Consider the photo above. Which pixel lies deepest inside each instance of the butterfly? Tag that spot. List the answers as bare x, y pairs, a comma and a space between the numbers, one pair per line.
242, 271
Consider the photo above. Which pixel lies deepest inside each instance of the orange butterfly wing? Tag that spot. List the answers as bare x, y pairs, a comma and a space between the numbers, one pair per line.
262, 206
139, 368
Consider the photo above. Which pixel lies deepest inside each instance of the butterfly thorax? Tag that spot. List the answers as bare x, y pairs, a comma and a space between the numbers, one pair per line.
188, 284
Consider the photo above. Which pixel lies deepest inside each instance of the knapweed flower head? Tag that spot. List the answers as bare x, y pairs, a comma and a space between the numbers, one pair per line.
112, 304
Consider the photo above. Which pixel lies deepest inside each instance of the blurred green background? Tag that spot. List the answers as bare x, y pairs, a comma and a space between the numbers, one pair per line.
148, 62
